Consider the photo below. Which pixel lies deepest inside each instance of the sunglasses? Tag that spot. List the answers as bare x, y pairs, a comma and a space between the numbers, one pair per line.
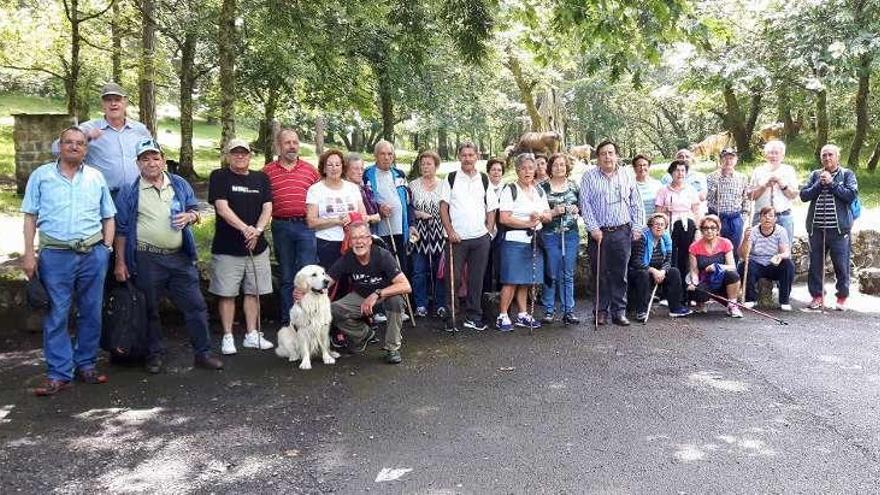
708, 227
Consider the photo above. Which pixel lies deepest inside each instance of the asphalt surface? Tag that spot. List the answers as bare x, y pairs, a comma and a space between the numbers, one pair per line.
706, 404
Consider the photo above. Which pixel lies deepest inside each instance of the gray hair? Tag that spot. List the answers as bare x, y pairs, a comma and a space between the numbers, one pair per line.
353, 157
382, 143
466, 144
774, 143
833, 147
522, 158
281, 131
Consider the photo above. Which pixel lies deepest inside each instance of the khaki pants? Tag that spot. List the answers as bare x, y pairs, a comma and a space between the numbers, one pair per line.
348, 318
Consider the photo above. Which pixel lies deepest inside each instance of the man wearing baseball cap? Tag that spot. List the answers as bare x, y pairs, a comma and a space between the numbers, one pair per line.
112, 139
727, 196
157, 250
239, 252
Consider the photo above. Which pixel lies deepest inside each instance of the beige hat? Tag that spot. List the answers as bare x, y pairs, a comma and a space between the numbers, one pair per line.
237, 143
111, 88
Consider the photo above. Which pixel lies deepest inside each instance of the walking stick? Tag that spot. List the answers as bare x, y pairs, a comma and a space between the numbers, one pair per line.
534, 278
742, 295
824, 255
741, 306
562, 287
452, 295
412, 317
650, 303
259, 309
598, 271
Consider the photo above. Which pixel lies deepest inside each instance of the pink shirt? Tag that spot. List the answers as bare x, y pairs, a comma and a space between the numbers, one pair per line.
679, 204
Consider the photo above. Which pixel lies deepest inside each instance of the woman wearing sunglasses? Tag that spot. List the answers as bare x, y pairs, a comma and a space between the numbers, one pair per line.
712, 268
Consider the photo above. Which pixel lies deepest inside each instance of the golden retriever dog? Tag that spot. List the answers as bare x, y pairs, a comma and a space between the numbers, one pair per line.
309, 329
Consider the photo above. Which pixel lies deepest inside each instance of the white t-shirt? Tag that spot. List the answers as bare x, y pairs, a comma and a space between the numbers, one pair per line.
522, 209
333, 203
780, 202
467, 206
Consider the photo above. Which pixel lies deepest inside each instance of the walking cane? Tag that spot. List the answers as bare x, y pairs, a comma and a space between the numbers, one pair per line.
650, 303
534, 278
598, 271
741, 306
562, 242
412, 317
824, 255
259, 311
742, 295
452, 295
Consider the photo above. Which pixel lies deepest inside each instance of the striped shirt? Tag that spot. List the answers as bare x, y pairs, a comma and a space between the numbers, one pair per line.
289, 187
825, 215
610, 200
764, 247
727, 194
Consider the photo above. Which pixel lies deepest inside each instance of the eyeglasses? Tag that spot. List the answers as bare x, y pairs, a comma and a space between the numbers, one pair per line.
708, 227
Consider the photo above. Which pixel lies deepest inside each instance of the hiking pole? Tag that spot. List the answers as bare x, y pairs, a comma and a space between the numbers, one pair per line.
650, 303
598, 271
742, 294
259, 312
412, 317
534, 290
452, 295
824, 255
741, 306
564, 283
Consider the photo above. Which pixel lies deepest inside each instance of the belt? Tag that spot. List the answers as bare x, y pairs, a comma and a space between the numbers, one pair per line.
614, 228
149, 248
783, 213
289, 219
81, 246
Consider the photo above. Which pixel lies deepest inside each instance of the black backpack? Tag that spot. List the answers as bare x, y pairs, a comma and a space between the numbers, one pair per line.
485, 178
124, 330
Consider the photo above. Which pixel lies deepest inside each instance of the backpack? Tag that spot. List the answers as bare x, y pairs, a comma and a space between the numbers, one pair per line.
503, 229
124, 328
856, 208
485, 178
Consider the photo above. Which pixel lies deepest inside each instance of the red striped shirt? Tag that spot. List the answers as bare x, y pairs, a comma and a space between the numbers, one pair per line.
289, 187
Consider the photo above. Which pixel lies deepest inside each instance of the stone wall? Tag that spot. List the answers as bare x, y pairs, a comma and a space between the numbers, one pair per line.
33, 135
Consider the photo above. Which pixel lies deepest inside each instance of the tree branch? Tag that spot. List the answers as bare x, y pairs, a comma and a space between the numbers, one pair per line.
32, 69
98, 13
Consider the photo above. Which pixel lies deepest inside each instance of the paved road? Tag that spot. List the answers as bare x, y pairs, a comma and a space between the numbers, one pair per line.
702, 405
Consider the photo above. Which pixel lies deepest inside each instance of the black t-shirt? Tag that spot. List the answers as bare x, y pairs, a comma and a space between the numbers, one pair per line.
246, 195
377, 274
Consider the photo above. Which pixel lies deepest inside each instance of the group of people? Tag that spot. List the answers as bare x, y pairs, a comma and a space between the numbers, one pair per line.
108, 204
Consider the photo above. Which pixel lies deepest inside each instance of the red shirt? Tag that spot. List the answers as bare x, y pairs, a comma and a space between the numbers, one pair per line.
289, 187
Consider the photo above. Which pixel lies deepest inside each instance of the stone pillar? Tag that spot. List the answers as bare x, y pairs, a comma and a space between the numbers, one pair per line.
33, 135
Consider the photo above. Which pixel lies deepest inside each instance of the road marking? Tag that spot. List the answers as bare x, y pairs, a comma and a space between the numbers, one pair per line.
391, 474
713, 379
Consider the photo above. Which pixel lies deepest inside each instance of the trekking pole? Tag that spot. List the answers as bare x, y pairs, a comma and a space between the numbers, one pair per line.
534, 290
259, 309
452, 295
824, 255
742, 295
564, 283
412, 317
650, 303
598, 271
741, 306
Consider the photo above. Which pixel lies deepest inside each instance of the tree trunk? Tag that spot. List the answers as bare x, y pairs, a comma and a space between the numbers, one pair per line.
386, 103
320, 127
442, 143
783, 114
821, 121
187, 85
116, 39
736, 122
71, 84
226, 47
147, 83
357, 140
874, 158
525, 92
269, 111
862, 122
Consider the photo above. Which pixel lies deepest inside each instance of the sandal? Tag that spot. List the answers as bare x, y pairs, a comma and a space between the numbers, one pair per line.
51, 387
91, 376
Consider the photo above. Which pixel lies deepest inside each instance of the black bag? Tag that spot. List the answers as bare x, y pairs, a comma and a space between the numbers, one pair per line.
36, 293
124, 330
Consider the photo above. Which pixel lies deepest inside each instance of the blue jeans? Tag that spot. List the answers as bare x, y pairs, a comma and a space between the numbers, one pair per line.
561, 275
425, 274
295, 248
839, 245
732, 229
173, 275
66, 275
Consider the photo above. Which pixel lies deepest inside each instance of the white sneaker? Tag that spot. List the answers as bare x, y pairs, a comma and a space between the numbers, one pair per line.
227, 346
785, 307
255, 340
404, 316
749, 304
379, 318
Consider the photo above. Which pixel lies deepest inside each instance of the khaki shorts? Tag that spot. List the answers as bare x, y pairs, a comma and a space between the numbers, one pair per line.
230, 275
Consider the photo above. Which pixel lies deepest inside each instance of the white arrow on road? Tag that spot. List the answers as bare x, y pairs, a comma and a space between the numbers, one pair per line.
391, 474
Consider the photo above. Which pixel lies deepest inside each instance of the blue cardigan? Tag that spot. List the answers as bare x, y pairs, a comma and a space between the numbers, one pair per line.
127, 214
402, 192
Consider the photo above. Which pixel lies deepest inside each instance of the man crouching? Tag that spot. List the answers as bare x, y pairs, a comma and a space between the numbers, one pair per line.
375, 277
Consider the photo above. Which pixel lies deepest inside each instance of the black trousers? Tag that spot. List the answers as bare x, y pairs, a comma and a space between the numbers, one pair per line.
616, 248
641, 284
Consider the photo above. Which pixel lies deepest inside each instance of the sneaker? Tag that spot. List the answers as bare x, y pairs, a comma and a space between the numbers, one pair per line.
642, 316
393, 357
475, 324
255, 340
227, 346
570, 319
785, 307
90, 376
700, 308
525, 320
841, 304
503, 323
338, 340
441, 312
816, 303
663, 302
549, 318
680, 312
52, 387
734, 312
403, 316
379, 318
749, 304
421, 311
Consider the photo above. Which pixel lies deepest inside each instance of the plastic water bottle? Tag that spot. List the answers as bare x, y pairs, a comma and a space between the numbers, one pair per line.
176, 209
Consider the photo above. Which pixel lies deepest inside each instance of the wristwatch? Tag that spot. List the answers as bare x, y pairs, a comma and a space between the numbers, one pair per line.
378, 293
109, 247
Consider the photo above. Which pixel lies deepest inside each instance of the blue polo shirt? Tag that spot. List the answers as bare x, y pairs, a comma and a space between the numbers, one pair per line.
113, 154
68, 209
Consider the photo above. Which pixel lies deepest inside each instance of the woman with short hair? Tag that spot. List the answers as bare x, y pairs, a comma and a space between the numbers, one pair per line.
353, 171
650, 264
681, 204
648, 186
560, 236
712, 268
430, 245
769, 254
495, 169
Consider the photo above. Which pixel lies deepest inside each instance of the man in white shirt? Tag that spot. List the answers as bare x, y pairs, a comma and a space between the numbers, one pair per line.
775, 184
468, 222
